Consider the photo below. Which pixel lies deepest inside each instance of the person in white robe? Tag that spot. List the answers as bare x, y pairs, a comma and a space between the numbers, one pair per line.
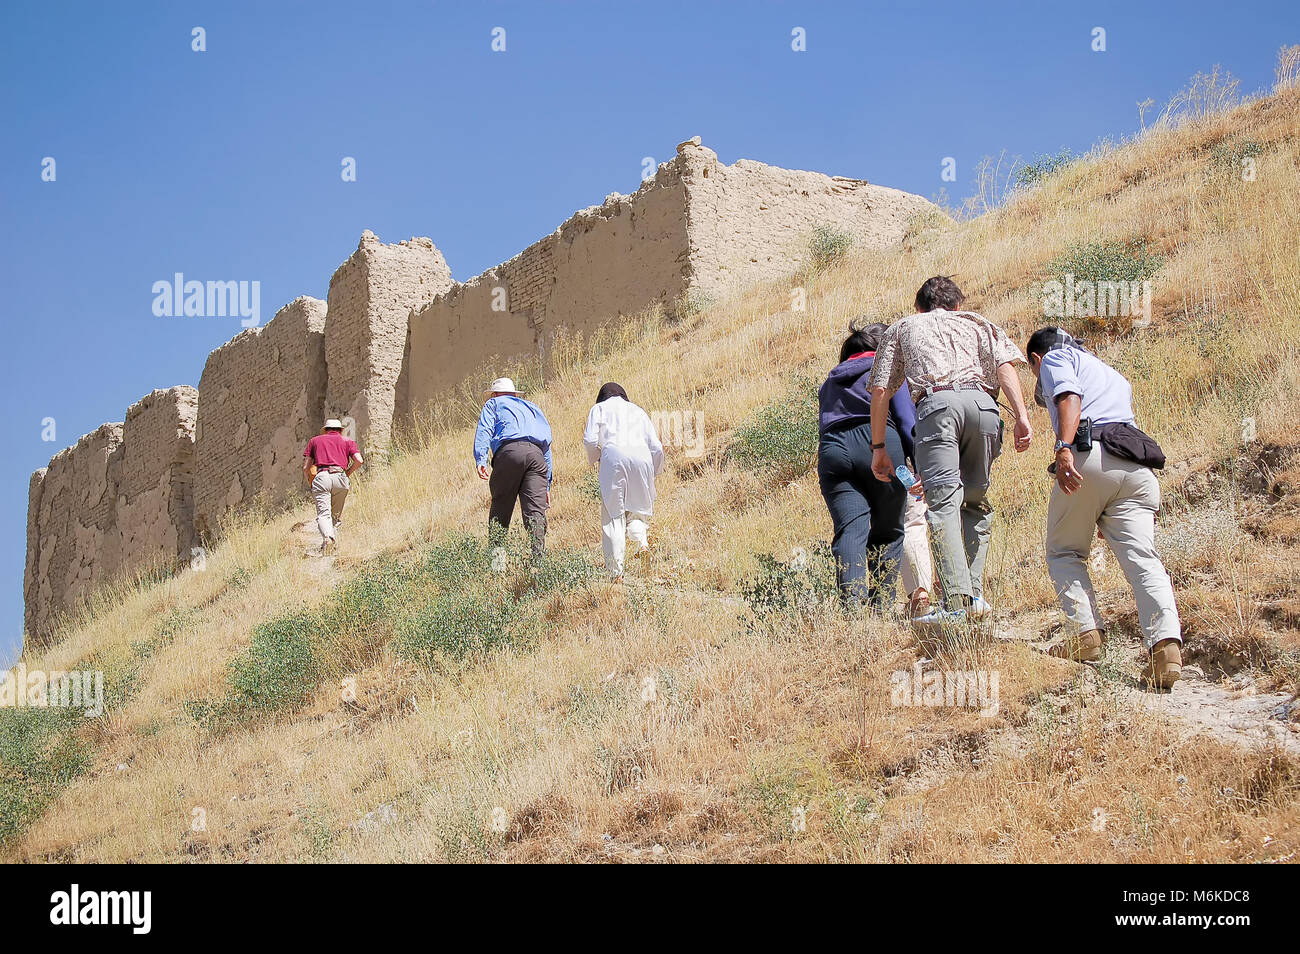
621, 438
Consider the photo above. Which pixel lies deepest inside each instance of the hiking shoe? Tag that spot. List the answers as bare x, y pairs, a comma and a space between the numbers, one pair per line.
1166, 664
942, 617
918, 604
980, 608
1085, 647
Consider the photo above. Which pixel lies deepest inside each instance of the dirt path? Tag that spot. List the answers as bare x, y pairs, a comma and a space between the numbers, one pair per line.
1235, 712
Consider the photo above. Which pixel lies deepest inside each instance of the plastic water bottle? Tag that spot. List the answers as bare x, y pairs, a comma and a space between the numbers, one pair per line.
905, 476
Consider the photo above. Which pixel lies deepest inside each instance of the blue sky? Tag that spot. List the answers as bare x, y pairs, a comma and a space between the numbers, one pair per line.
225, 164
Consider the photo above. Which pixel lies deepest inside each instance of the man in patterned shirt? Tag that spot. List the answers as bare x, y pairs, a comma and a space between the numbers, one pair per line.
955, 362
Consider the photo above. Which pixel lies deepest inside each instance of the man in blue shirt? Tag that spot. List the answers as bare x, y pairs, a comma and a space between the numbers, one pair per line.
515, 437
1097, 488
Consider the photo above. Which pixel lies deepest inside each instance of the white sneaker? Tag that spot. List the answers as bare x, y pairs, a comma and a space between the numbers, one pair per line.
941, 617
980, 609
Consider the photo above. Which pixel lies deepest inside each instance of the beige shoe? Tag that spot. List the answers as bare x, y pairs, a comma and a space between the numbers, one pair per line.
1166, 664
1086, 647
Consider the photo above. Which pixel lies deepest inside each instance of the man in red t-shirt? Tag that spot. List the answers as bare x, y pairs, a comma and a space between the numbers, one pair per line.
328, 461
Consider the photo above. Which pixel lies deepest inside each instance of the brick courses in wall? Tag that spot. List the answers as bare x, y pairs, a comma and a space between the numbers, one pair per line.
261, 398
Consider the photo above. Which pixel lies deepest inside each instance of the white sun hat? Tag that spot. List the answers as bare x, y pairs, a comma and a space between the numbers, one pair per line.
503, 386
334, 422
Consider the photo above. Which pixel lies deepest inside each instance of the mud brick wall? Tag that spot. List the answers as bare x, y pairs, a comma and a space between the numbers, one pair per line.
618, 258
397, 332
697, 226
751, 222
118, 500
261, 398
371, 297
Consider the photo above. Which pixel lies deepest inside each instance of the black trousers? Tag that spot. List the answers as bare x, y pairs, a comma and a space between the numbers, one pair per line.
867, 514
519, 474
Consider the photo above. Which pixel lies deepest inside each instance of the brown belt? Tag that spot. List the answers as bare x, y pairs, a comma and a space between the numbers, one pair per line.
967, 386
330, 469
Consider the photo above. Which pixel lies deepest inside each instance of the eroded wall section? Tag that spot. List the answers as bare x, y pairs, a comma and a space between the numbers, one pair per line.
261, 398
371, 296
118, 500
618, 258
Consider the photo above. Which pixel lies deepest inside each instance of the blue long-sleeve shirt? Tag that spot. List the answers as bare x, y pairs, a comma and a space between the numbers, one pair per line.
511, 418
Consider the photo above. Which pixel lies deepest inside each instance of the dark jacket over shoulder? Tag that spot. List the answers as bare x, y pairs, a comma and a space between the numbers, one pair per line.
844, 401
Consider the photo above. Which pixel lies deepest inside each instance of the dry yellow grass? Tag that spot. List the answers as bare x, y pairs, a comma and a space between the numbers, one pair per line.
756, 747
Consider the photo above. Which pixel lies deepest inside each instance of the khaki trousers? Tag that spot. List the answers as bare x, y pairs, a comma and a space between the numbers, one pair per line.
1121, 498
958, 436
917, 568
330, 492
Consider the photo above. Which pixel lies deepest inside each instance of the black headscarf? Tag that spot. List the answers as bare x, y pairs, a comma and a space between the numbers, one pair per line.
610, 390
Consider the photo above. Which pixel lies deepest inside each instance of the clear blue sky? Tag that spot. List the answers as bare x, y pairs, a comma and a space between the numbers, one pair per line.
225, 164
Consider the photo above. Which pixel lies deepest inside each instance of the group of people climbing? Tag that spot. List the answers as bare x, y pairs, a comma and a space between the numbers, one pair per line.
910, 427
911, 412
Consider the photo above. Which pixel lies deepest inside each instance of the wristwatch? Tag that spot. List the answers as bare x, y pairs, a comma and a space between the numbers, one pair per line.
1062, 445
877, 446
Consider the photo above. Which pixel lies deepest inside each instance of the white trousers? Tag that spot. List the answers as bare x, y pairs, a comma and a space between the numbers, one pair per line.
917, 569
613, 527
330, 492
1120, 498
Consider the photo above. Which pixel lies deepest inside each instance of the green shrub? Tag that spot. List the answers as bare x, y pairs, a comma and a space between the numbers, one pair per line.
1043, 167
781, 440
1107, 261
1227, 157
589, 486
827, 245
464, 624
280, 668
40, 753
784, 593
688, 305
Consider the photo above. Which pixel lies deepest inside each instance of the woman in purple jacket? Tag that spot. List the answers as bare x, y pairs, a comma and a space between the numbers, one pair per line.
867, 514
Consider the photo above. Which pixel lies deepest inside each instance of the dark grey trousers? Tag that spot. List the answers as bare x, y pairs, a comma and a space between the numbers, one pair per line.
866, 513
519, 473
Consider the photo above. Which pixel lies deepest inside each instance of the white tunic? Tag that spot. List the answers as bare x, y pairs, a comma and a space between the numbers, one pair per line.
622, 438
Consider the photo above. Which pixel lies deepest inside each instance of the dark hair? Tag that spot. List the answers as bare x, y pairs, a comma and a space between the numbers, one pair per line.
610, 390
1041, 341
939, 292
864, 335
1046, 339
334, 430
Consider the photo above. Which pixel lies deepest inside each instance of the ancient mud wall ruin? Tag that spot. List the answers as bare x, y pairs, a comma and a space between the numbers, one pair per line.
697, 226
750, 222
261, 398
608, 260
120, 499
397, 332
371, 296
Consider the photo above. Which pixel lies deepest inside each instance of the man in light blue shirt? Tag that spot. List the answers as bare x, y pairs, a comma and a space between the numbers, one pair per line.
514, 436
1105, 395
1099, 488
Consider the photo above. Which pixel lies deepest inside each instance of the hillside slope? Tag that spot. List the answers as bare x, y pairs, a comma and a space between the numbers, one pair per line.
403, 701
